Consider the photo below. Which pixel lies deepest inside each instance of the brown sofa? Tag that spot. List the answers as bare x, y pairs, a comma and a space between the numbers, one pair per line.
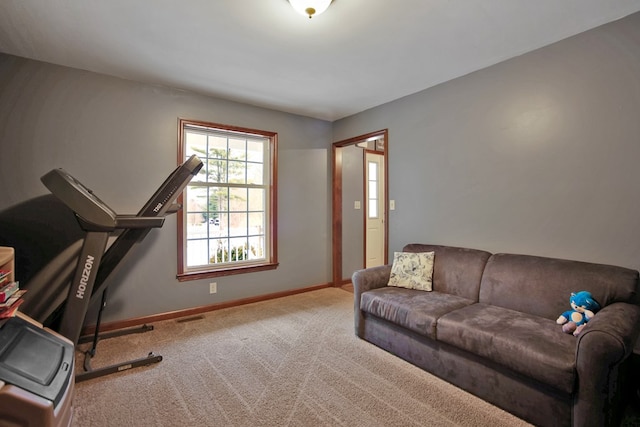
489, 327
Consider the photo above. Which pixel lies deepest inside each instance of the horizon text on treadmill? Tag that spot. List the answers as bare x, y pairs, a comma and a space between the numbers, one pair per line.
86, 272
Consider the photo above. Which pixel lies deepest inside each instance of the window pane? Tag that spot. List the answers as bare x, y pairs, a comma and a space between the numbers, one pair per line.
373, 190
255, 151
217, 147
218, 199
373, 171
213, 203
237, 172
256, 247
197, 253
219, 250
238, 199
255, 174
256, 199
239, 249
217, 171
238, 224
196, 143
373, 208
213, 224
196, 198
220, 227
237, 149
256, 223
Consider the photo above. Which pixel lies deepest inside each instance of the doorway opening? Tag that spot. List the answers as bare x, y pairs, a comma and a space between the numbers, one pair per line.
360, 229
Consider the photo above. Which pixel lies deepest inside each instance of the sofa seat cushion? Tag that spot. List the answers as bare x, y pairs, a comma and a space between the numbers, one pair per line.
530, 345
410, 308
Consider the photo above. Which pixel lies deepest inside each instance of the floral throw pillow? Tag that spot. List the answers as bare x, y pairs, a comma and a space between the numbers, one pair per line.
412, 270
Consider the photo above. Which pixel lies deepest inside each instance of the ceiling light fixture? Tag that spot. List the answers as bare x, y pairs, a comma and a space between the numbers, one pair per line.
310, 8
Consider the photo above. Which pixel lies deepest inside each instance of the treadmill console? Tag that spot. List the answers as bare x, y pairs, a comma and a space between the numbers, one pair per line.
79, 198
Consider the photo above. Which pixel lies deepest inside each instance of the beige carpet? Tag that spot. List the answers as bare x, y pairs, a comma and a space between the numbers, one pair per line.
293, 361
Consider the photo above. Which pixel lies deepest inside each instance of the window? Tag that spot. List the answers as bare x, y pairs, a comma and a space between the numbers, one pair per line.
372, 190
228, 221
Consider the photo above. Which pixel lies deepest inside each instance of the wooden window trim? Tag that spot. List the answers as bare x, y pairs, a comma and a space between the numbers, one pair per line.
270, 264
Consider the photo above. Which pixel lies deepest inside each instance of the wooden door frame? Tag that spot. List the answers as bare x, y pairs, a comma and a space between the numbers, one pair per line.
336, 237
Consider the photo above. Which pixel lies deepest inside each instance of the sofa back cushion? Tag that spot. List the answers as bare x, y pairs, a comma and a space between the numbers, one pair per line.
456, 271
542, 286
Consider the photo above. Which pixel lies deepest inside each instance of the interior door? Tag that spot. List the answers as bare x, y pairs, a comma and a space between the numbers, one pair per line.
374, 209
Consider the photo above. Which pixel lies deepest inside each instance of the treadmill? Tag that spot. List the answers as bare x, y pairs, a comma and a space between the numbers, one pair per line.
37, 363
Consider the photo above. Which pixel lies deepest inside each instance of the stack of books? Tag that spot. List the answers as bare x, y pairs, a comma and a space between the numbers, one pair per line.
10, 295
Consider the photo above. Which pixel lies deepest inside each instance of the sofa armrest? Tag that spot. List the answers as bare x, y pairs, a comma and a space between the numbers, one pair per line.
371, 278
605, 342
366, 280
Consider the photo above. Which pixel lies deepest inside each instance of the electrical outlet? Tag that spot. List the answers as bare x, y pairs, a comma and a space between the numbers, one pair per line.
213, 287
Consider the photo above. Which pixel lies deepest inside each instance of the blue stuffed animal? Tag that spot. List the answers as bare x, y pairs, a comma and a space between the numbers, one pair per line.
583, 308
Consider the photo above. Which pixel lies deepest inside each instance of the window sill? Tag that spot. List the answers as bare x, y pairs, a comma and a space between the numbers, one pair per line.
197, 275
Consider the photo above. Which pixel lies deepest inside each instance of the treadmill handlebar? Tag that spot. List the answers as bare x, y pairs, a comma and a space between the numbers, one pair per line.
79, 198
133, 221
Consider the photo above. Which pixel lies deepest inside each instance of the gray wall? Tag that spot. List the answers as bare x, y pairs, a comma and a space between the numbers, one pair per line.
536, 155
120, 139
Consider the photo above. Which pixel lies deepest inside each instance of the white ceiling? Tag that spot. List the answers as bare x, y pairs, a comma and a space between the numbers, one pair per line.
357, 55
